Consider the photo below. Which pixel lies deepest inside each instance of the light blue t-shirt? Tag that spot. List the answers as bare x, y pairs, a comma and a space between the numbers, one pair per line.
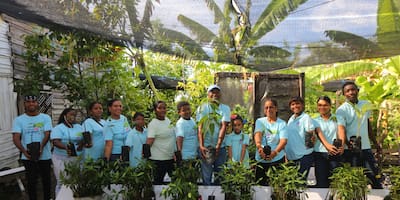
188, 130
271, 135
328, 128
32, 129
236, 141
205, 110
135, 141
350, 121
116, 130
296, 130
96, 130
66, 134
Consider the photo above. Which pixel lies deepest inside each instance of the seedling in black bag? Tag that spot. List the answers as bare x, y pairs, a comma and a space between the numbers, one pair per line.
267, 150
125, 153
71, 149
87, 139
355, 144
34, 150
337, 143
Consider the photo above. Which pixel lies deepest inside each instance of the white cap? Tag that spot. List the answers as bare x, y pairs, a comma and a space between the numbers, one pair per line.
213, 87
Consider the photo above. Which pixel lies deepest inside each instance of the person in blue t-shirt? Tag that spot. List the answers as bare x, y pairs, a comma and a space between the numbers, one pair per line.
67, 141
186, 132
353, 126
136, 138
94, 125
301, 136
237, 142
270, 137
326, 155
115, 131
29, 129
219, 115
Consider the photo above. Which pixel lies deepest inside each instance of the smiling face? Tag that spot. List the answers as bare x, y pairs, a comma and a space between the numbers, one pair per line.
185, 112
139, 121
161, 111
296, 107
237, 126
214, 95
270, 109
70, 116
115, 109
31, 106
96, 111
323, 107
351, 93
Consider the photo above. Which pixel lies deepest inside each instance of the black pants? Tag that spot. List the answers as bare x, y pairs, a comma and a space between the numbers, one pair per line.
262, 168
367, 160
33, 169
161, 168
324, 166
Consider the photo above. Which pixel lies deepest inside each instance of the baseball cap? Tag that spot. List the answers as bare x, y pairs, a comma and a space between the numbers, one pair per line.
213, 87
30, 97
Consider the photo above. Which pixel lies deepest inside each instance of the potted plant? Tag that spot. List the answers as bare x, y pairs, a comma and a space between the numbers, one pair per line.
136, 182
86, 178
183, 185
237, 181
394, 184
348, 183
286, 182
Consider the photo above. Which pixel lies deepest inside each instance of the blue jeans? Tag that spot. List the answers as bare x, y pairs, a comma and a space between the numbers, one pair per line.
324, 165
367, 160
208, 169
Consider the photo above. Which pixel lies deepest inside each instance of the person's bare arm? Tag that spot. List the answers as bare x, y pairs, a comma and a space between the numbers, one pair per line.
258, 140
221, 136
18, 144
108, 149
328, 146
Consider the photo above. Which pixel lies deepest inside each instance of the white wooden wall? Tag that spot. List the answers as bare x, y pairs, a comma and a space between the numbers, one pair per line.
8, 107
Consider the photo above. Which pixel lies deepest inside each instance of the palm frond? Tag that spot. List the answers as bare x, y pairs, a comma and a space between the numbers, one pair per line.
388, 17
276, 12
268, 51
203, 35
189, 45
218, 15
363, 47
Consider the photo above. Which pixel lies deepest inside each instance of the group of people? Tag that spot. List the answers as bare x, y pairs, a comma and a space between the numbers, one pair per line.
324, 142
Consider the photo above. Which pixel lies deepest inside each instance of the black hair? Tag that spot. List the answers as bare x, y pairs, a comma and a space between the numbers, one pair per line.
61, 119
137, 114
110, 103
273, 101
296, 99
181, 104
91, 105
325, 98
155, 104
236, 117
348, 83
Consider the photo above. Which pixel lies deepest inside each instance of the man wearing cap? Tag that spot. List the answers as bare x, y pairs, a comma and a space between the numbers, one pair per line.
211, 137
31, 132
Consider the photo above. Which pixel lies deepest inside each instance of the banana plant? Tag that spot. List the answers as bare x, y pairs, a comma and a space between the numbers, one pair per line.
387, 34
236, 41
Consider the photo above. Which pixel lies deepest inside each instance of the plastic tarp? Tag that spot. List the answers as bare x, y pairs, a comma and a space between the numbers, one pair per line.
260, 34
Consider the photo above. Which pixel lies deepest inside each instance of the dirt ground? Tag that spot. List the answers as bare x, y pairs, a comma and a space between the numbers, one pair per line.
11, 191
